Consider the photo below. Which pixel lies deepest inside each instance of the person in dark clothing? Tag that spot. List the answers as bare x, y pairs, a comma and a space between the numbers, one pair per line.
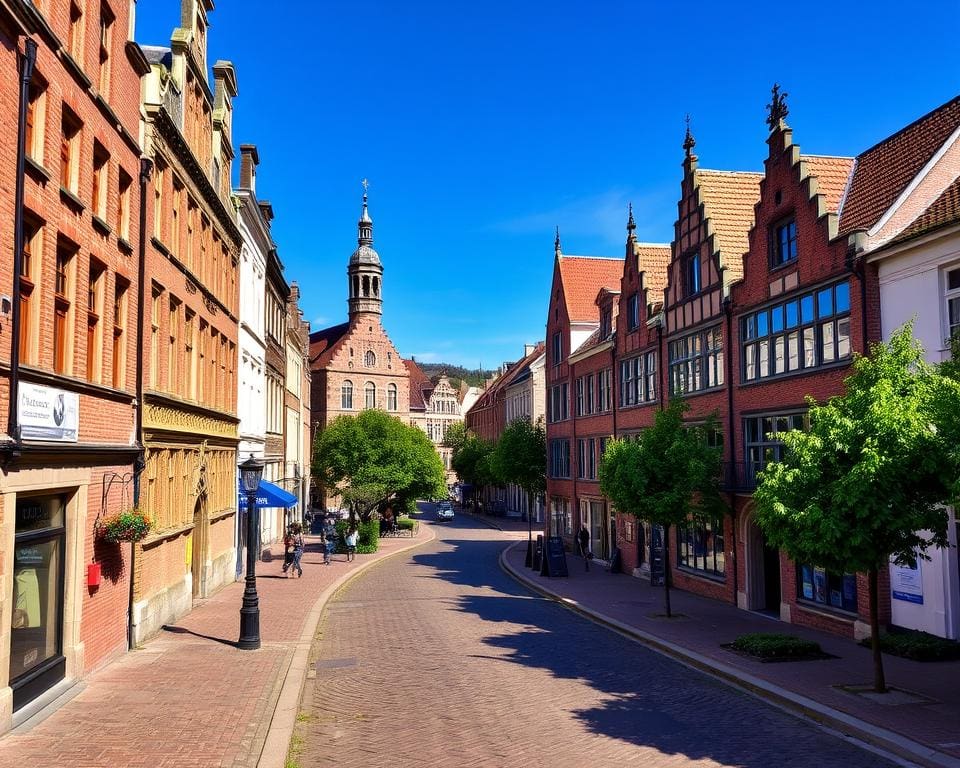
583, 539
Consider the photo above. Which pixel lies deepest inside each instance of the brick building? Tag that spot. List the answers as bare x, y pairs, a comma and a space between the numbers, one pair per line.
190, 330
67, 340
296, 426
354, 365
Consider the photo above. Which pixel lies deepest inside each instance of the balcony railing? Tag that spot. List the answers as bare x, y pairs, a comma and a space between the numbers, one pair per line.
739, 475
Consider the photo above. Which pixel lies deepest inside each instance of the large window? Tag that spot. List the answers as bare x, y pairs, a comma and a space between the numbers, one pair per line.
558, 405
69, 150
557, 348
604, 395
391, 397
764, 438
784, 243
346, 396
94, 313
559, 458
585, 395
29, 290
101, 181
36, 118
953, 302
369, 395
691, 277
700, 547
587, 458
561, 519
633, 312
696, 361
638, 379
106, 39
824, 587
805, 332
63, 308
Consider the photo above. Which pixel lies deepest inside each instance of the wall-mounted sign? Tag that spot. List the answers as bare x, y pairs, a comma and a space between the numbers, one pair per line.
48, 414
906, 584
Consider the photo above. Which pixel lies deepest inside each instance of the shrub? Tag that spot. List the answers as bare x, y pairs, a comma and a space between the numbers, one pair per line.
406, 523
775, 646
916, 645
132, 525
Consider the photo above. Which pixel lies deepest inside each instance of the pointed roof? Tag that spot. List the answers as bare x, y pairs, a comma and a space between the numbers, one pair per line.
323, 342
729, 198
885, 170
943, 212
833, 174
582, 277
653, 259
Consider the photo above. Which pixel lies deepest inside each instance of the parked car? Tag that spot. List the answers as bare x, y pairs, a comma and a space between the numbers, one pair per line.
444, 511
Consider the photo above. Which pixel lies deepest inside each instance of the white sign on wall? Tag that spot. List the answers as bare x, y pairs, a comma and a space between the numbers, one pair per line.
906, 584
48, 414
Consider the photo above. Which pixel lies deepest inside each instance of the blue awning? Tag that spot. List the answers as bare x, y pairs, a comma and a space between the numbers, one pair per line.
268, 496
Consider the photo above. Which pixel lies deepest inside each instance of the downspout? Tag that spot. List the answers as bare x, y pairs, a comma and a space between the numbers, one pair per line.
26, 61
728, 311
139, 463
662, 370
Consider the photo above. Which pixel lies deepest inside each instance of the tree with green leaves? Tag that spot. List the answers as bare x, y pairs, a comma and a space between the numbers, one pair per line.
470, 460
520, 458
668, 476
372, 458
867, 483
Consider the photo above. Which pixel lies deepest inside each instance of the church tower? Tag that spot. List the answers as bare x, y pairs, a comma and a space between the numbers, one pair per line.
365, 273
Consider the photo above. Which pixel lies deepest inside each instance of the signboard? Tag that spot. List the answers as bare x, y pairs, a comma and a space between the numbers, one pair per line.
48, 414
554, 558
537, 553
656, 556
906, 583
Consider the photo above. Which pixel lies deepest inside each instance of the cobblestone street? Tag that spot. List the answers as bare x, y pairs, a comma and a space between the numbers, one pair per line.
436, 658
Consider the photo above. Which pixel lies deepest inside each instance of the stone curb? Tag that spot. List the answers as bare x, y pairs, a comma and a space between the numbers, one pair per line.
880, 738
273, 753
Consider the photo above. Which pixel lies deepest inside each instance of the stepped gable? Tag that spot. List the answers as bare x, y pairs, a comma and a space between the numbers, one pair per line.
728, 198
833, 174
582, 277
653, 260
945, 210
885, 170
323, 342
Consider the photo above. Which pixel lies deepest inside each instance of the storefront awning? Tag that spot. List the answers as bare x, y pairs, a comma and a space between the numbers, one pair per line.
268, 496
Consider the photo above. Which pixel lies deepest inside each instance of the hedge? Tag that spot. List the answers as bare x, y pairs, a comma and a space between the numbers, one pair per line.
775, 646
916, 645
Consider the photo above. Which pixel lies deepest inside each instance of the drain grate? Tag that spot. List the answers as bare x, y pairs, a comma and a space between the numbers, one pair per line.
335, 663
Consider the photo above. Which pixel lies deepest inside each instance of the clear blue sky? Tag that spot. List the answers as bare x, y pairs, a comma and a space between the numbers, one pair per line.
482, 125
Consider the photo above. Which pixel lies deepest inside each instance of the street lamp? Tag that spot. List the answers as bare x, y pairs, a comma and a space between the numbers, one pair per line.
250, 473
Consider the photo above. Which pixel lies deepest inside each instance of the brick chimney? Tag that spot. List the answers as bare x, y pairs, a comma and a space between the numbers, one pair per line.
249, 160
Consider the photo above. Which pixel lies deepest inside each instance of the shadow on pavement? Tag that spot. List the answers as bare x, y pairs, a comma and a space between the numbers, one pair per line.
184, 631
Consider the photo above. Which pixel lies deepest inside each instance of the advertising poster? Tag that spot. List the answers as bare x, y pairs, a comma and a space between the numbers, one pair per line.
48, 414
906, 584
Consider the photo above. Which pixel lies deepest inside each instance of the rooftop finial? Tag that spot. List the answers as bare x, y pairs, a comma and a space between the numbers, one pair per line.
365, 225
688, 141
556, 242
631, 224
777, 107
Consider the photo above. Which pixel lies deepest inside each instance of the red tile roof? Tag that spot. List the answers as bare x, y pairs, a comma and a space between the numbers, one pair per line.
729, 197
420, 386
582, 278
504, 381
942, 212
832, 174
653, 261
886, 169
322, 343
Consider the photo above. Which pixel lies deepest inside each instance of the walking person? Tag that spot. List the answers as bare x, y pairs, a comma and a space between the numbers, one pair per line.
296, 536
583, 539
287, 550
329, 539
352, 536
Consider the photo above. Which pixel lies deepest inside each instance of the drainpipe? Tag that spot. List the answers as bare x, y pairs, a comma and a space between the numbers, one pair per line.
663, 373
728, 311
139, 463
26, 61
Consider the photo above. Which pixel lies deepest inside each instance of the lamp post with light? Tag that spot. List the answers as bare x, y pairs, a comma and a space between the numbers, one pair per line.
250, 473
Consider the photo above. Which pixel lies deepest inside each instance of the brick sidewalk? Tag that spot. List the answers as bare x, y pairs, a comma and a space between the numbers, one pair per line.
189, 697
706, 624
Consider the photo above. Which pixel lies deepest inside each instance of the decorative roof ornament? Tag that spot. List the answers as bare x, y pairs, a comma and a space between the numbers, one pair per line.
688, 141
777, 107
631, 224
365, 254
556, 243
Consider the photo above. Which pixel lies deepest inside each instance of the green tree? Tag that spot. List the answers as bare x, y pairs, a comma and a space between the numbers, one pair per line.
470, 462
867, 483
455, 436
520, 458
669, 476
372, 458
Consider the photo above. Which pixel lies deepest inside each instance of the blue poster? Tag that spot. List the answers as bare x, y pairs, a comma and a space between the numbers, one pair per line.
906, 584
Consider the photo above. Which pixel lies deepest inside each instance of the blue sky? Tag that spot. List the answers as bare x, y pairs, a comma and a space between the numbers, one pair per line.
481, 126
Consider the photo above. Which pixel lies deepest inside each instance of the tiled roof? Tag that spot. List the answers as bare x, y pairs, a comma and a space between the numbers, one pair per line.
885, 170
323, 341
832, 175
729, 197
516, 370
593, 340
582, 278
945, 210
654, 261
420, 386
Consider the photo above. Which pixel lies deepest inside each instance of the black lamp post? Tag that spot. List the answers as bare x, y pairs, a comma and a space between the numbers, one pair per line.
250, 473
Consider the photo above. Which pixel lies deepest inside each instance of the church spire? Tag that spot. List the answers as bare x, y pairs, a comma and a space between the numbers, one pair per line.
631, 224
556, 243
365, 272
365, 224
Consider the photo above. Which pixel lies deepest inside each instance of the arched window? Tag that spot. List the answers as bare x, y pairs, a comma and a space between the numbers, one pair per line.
346, 396
370, 395
391, 397
369, 359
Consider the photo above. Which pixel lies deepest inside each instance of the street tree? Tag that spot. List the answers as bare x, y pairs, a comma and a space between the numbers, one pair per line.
867, 483
668, 476
373, 458
520, 458
470, 462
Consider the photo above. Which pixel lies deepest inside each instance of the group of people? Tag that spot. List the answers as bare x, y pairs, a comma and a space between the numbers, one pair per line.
293, 545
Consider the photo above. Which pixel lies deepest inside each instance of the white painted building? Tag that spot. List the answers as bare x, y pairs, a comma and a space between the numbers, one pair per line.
525, 398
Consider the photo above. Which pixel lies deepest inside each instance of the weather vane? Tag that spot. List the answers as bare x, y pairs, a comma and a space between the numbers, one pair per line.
365, 184
777, 107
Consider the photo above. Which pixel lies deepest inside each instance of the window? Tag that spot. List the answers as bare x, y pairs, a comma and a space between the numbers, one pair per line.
63, 308
100, 181
638, 379
700, 547
119, 326
29, 271
158, 181
805, 332
370, 395
94, 311
391, 397
202, 366
123, 205
691, 275
696, 361
106, 35
155, 336
36, 112
559, 394
69, 150
557, 348
826, 587
606, 322
561, 521
953, 302
369, 359
173, 348
559, 458
175, 220
75, 32
604, 398
784, 243
633, 312
587, 458
763, 437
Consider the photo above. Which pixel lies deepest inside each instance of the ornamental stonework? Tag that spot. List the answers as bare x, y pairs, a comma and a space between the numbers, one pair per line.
163, 417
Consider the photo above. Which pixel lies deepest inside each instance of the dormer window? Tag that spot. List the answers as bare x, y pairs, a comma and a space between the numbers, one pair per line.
692, 274
606, 322
784, 243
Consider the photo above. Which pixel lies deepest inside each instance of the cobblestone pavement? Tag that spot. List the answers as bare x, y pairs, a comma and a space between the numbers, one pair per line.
436, 658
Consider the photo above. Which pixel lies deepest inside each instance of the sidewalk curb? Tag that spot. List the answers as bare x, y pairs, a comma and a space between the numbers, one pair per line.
273, 753
875, 736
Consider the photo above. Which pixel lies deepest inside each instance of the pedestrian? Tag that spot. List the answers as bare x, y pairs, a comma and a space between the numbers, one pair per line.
287, 549
352, 535
296, 541
329, 539
583, 539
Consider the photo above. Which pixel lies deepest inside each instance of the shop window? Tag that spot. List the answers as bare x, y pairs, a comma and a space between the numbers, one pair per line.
827, 588
700, 547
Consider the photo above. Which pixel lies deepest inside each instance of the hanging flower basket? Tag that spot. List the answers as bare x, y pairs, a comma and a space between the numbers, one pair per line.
132, 525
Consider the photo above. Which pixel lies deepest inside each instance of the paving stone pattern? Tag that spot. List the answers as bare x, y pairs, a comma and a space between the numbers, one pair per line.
436, 658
